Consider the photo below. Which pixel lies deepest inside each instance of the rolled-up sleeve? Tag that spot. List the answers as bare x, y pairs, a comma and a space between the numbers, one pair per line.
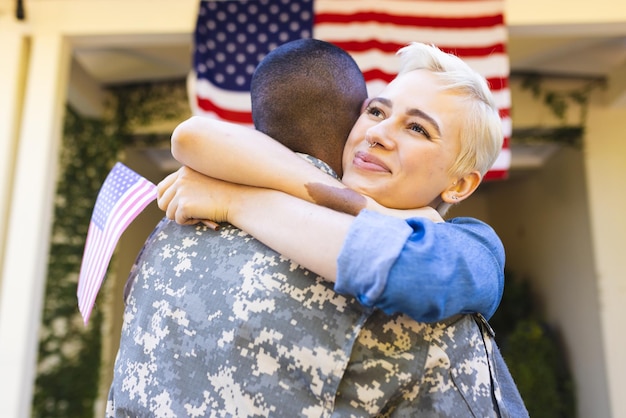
429, 271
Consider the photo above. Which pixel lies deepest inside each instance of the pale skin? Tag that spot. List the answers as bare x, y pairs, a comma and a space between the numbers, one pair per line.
414, 136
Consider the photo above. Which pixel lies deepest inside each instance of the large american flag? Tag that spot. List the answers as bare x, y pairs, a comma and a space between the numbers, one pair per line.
231, 37
123, 195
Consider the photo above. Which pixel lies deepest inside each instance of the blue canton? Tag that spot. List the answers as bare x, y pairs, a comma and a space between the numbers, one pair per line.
232, 37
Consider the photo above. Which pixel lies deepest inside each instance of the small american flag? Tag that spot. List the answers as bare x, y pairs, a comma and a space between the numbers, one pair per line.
122, 197
232, 37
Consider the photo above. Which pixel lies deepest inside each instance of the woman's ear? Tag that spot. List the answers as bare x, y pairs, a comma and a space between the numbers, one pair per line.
462, 188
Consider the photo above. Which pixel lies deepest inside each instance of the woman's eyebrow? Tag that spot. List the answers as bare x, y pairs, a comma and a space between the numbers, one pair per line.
382, 101
411, 112
421, 114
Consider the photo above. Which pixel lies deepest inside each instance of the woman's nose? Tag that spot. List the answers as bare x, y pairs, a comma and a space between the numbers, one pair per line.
379, 135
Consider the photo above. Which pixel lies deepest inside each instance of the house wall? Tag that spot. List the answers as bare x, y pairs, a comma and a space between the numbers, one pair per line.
567, 238
560, 225
605, 169
543, 219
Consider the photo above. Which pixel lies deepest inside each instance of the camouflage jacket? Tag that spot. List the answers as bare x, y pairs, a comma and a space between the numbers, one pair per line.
218, 325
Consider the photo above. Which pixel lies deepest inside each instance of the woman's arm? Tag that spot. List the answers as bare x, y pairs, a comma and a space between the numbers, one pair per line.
309, 234
242, 155
427, 270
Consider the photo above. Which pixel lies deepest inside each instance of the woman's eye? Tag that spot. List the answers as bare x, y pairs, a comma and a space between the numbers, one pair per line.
374, 111
416, 127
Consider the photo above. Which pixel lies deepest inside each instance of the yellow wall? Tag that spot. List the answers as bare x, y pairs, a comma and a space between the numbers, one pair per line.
605, 160
530, 13
562, 227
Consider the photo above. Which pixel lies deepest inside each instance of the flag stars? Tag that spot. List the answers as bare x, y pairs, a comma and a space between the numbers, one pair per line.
232, 8
118, 182
232, 37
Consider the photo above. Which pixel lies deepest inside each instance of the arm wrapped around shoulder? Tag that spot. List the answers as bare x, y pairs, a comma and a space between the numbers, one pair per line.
429, 271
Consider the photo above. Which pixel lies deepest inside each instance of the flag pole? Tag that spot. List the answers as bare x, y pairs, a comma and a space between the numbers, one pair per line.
19, 10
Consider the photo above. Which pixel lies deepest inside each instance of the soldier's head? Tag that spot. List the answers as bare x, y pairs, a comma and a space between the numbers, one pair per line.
307, 94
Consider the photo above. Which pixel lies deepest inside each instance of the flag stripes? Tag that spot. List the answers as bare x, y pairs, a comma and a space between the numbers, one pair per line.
106, 227
411, 21
372, 31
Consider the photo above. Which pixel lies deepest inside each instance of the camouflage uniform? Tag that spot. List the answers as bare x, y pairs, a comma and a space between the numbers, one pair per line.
216, 324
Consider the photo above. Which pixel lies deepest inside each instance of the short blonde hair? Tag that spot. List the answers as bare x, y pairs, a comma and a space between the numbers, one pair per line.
481, 126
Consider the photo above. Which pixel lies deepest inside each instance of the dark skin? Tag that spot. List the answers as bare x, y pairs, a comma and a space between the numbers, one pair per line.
342, 200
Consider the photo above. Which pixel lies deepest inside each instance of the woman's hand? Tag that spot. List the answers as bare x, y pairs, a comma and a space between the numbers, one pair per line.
189, 197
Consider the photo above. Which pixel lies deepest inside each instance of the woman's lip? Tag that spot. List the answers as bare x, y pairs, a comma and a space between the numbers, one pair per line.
369, 162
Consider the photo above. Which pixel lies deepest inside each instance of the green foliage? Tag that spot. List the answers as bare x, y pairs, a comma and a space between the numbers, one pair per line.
559, 101
536, 361
533, 353
141, 104
571, 136
69, 353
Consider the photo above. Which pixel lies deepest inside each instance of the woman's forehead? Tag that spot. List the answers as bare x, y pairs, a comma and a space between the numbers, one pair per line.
415, 81
420, 89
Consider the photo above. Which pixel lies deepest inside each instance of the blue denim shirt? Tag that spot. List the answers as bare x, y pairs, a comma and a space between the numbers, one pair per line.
426, 270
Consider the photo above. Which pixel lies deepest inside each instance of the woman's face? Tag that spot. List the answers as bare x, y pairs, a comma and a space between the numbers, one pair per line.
416, 131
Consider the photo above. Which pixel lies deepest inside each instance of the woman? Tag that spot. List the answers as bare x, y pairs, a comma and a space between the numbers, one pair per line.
409, 149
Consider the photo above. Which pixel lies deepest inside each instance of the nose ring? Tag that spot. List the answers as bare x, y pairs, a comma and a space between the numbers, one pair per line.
372, 144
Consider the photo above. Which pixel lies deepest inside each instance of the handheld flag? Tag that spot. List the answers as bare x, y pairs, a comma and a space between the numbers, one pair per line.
124, 194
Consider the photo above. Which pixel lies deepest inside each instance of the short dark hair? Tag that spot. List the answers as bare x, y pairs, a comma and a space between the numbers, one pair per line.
307, 94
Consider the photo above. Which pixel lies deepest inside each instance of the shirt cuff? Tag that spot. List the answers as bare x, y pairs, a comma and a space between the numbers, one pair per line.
372, 246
